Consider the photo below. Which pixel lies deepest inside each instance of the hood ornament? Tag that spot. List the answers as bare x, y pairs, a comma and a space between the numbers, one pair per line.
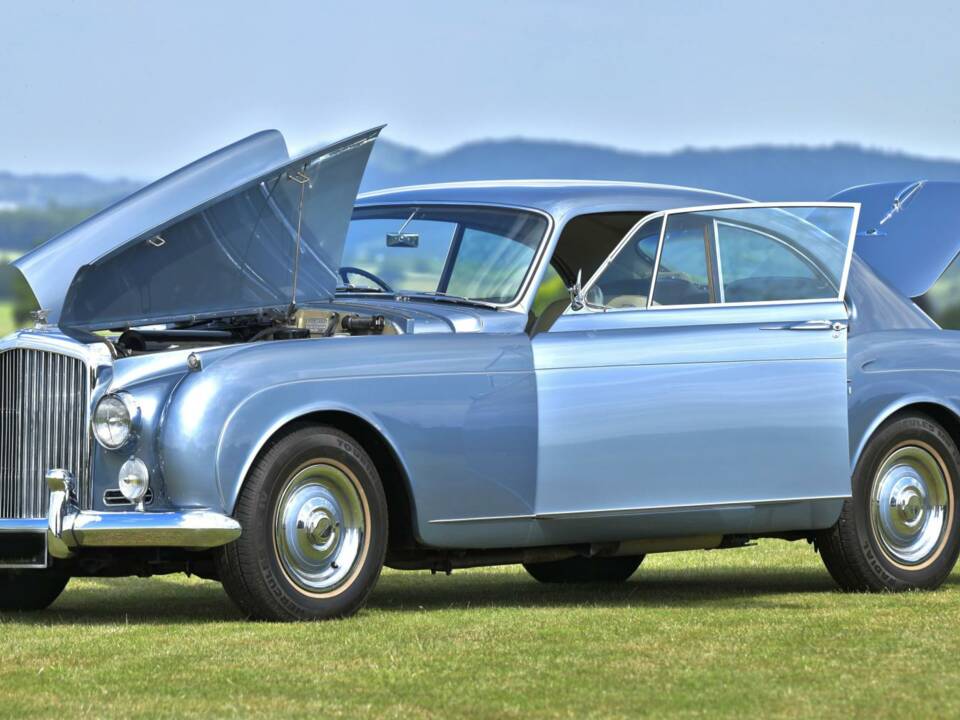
39, 317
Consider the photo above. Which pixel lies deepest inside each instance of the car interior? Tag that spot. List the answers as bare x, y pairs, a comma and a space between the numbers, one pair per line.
585, 242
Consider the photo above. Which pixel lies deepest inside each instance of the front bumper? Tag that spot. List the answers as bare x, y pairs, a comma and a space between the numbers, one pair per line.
67, 528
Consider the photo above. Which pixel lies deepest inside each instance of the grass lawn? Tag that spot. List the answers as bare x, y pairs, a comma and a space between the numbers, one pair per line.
754, 631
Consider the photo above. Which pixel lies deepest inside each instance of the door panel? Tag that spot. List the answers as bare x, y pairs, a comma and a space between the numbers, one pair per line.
662, 395
690, 407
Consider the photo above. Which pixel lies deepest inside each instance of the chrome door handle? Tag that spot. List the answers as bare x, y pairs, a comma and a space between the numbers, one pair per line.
830, 325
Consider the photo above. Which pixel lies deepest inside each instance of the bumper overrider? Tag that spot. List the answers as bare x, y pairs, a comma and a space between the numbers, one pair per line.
68, 529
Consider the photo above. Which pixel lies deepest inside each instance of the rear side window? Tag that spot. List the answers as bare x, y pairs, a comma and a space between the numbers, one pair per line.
756, 266
735, 254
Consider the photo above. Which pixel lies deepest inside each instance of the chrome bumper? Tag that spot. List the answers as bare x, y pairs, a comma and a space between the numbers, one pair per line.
68, 528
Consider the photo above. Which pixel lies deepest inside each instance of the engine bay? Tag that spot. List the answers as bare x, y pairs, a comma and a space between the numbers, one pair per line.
302, 324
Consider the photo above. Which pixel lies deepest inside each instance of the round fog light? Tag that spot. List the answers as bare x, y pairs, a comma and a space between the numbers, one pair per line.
134, 479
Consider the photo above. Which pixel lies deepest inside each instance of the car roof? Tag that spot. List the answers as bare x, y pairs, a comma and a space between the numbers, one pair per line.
559, 198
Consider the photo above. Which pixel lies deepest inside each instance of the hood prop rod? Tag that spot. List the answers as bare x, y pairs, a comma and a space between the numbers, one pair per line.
302, 179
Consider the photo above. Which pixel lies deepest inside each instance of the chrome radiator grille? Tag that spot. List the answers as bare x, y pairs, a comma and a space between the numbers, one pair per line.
44, 398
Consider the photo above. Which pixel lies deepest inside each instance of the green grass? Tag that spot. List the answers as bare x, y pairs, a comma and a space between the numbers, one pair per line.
754, 631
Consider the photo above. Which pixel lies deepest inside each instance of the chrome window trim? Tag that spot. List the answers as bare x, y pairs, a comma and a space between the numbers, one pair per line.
665, 215
535, 264
716, 252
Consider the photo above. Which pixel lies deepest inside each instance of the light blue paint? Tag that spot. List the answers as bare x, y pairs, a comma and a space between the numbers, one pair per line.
608, 426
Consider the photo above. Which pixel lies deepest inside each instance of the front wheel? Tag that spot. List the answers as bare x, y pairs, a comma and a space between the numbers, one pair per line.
585, 570
898, 530
30, 590
314, 519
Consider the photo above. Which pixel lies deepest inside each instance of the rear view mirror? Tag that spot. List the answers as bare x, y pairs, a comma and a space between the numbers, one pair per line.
402, 239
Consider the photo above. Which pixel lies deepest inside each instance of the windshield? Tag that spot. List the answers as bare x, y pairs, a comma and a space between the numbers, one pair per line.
475, 253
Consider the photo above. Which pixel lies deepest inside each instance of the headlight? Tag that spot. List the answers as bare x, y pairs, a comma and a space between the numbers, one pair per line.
115, 420
134, 479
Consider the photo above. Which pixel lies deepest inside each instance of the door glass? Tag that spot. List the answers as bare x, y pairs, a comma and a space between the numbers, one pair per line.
754, 254
683, 277
736, 254
625, 282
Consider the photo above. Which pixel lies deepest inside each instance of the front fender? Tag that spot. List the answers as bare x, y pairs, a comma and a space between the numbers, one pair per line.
459, 413
260, 416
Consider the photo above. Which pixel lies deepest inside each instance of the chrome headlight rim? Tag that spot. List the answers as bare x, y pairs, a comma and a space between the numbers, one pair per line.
132, 410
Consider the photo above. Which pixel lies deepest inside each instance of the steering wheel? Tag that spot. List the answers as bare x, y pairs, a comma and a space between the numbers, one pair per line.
346, 271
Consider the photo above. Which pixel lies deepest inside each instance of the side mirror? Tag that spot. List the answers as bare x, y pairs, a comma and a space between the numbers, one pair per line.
577, 300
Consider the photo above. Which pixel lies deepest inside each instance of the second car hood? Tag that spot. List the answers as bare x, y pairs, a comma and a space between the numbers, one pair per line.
217, 237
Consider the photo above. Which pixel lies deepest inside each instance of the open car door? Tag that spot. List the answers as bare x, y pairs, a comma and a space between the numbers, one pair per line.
702, 387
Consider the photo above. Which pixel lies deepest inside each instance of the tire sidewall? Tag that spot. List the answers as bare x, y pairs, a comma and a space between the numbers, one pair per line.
298, 450
919, 430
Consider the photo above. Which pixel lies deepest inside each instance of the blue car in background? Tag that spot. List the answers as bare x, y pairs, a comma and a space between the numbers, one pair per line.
247, 372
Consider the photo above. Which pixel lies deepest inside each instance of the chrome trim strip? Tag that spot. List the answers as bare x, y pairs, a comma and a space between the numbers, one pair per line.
656, 260
488, 518
650, 509
716, 253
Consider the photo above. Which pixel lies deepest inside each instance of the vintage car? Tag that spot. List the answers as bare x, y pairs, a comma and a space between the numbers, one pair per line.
247, 372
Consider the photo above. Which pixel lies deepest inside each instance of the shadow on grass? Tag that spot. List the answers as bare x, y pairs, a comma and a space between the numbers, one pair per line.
141, 602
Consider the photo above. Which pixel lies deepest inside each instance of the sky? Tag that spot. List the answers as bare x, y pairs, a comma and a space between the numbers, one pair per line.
138, 89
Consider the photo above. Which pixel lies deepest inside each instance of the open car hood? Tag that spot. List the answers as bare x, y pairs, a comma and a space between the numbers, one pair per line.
218, 237
909, 232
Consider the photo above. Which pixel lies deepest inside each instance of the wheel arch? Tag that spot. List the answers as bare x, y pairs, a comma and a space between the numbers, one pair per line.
393, 473
944, 413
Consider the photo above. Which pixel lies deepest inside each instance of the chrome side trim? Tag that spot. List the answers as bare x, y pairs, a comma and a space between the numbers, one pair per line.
647, 510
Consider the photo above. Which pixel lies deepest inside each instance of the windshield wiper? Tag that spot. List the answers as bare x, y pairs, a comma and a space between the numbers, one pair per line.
445, 297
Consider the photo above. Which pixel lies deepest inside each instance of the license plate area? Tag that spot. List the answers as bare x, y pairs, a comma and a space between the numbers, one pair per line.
23, 549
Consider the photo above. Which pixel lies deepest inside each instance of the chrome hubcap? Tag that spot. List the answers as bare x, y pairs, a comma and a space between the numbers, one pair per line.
909, 505
320, 527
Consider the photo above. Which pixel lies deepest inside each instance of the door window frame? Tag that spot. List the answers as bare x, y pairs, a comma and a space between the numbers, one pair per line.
664, 216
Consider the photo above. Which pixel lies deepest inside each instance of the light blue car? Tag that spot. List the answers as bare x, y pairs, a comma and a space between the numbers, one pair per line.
246, 372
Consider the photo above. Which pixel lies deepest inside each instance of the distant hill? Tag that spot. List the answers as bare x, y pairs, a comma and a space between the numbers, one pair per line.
761, 173
74, 190
34, 207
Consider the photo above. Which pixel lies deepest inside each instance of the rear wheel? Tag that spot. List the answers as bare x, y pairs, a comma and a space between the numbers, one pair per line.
898, 530
314, 521
585, 570
28, 590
